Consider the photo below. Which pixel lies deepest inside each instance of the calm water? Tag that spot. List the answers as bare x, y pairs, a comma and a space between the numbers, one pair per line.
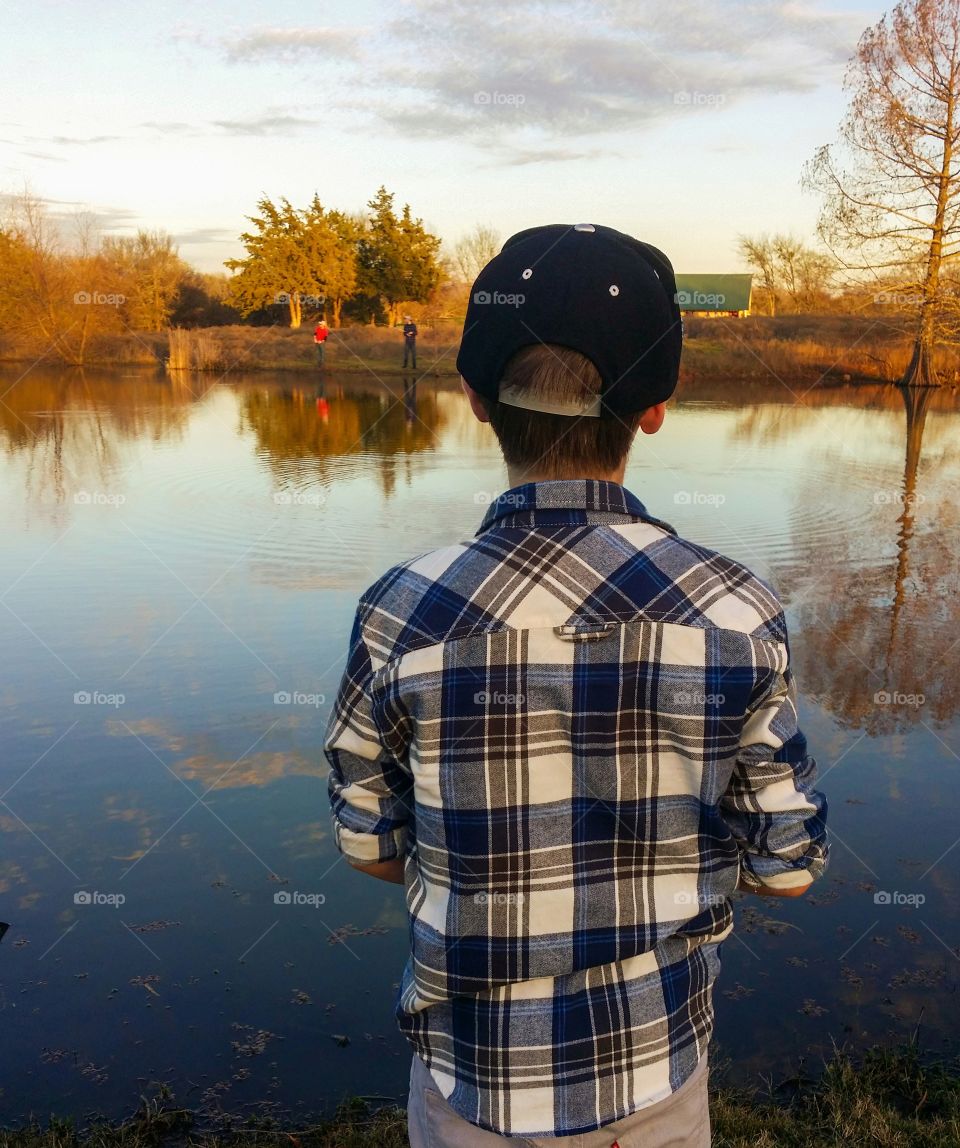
175, 556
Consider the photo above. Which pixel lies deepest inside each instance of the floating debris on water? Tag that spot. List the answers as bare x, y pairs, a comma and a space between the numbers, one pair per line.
256, 1043
339, 936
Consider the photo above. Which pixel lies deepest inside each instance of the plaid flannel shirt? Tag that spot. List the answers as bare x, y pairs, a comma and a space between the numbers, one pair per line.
579, 731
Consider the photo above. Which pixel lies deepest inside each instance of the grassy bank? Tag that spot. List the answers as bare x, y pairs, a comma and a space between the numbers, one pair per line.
802, 349
889, 1099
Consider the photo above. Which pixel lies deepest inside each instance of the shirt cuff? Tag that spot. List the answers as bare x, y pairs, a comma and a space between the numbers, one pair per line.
368, 848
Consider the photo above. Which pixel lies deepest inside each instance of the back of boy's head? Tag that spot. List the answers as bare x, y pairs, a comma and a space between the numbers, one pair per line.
571, 333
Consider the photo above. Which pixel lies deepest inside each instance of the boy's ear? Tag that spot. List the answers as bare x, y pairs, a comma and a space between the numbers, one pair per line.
477, 404
652, 418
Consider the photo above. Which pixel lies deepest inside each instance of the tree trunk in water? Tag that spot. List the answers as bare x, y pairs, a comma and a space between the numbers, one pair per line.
920, 371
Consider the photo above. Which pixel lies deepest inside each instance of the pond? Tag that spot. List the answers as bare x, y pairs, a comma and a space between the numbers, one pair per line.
180, 564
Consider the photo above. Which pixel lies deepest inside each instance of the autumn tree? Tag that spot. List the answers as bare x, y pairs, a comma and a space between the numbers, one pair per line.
55, 298
293, 256
891, 184
791, 274
397, 257
149, 267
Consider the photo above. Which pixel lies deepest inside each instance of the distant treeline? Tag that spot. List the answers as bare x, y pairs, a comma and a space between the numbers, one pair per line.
88, 298
81, 297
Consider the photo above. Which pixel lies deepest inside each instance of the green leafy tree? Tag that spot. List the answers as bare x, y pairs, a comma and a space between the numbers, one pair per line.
286, 251
397, 258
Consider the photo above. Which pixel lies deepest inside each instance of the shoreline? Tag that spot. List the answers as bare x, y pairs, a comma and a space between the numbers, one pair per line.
810, 350
884, 1097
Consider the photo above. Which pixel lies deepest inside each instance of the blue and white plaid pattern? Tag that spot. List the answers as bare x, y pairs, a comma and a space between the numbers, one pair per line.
580, 731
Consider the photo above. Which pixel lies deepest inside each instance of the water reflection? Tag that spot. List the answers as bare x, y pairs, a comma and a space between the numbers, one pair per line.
253, 513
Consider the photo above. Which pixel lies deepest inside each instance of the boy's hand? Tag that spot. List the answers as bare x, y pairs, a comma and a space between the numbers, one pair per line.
385, 870
766, 891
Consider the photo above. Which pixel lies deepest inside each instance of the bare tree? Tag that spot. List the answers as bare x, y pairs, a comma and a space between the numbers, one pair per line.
475, 250
891, 184
791, 274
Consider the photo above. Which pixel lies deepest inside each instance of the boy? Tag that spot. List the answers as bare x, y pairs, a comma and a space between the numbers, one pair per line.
571, 738
320, 335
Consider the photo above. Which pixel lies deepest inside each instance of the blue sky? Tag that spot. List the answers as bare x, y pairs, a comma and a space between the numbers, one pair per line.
681, 122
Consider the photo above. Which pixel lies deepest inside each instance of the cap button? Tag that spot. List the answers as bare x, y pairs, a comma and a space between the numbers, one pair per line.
584, 227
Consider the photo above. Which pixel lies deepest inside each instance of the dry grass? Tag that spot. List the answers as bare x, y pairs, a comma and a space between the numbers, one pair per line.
803, 348
890, 1099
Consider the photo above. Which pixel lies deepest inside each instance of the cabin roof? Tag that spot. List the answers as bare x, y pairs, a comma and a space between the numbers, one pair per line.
702, 292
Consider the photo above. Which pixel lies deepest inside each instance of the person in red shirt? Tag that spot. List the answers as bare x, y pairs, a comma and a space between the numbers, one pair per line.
320, 334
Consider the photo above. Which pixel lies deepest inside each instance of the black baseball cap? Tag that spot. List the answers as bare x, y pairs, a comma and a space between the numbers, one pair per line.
593, 289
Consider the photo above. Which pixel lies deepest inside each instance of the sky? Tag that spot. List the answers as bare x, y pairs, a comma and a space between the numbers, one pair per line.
681, 122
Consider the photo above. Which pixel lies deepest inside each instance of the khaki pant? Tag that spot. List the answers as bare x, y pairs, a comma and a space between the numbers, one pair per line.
680, 1121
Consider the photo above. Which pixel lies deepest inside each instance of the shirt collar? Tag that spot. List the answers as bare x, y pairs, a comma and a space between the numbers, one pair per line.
566, 502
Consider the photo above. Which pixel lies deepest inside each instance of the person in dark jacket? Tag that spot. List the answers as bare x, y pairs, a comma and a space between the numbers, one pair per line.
409, 341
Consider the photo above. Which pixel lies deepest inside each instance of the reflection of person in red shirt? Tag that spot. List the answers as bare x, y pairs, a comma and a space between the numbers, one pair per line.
320, 334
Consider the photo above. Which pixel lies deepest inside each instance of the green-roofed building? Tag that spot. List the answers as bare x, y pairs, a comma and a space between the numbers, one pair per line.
715, 296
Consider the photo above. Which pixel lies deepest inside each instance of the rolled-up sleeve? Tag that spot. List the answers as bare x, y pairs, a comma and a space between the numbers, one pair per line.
771, 805
370, 787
